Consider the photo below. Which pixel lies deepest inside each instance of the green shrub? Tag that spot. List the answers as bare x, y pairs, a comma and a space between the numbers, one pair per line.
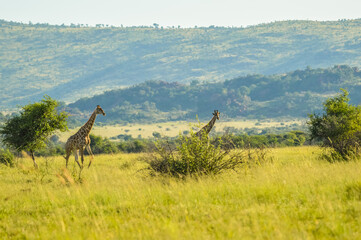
135, 146
101, 145
193, 156
339, 128
7, 158
156, 135
294, 138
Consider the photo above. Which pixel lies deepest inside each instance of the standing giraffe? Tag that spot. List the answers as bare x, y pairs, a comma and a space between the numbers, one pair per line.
81, 140
207, 128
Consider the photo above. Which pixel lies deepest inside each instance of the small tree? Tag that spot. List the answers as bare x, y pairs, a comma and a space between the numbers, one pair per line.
30, 129
339, 127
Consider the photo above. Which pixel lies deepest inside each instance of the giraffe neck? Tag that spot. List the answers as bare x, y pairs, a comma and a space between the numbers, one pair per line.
207, 128
87, 127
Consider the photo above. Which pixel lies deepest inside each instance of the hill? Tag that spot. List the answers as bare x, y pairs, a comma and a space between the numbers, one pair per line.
69, 62
293, 94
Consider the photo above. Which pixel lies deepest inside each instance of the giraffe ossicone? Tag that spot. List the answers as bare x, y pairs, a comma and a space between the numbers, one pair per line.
81, 140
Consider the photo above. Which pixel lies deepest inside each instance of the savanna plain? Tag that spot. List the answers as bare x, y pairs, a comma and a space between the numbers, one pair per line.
292, 195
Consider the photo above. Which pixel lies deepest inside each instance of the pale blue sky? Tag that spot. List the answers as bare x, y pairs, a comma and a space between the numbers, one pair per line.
186, 13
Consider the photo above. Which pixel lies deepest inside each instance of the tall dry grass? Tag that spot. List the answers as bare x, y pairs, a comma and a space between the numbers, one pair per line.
296, 196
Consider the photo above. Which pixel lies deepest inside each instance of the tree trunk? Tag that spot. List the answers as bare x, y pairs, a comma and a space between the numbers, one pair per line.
33, 157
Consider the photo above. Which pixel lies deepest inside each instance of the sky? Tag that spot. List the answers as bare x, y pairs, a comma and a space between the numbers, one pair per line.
184, 13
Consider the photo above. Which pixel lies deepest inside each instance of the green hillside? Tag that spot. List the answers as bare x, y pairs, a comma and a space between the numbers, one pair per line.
69, 62
293, 94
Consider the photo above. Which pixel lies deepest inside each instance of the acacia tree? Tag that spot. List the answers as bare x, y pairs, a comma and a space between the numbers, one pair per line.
339, 127
30, 129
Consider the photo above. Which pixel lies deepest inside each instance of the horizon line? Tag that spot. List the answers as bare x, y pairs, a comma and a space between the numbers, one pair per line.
157, 26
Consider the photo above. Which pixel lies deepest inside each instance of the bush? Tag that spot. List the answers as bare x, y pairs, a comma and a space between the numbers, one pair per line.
7, 158
101, 145
134, 146
339, 128
156, 134
123, 137
294, 138
193, 156
53, 148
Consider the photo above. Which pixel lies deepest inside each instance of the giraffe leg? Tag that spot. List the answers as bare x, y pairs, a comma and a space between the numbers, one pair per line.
67, 159
91, 154
76, 157
82, 156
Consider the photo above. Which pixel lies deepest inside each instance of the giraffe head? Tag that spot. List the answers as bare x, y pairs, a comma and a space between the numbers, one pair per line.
99, 110
216, 113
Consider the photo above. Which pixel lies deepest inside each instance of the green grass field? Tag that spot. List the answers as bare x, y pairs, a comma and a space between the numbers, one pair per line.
297, 196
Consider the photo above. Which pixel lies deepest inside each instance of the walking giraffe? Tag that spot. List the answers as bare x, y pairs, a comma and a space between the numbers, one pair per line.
81, 140
207, 128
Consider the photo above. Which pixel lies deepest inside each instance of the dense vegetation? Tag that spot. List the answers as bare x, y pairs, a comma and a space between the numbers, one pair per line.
339, 127
36, 122
6, 157
100, 145
193, 156
69, 62
294, 94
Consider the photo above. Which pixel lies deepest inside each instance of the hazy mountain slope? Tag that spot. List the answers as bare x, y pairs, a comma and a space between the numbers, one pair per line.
72, 62
293, 94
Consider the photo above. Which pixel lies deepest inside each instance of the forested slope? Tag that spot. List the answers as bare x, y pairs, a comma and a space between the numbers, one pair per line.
293, 94
69, 62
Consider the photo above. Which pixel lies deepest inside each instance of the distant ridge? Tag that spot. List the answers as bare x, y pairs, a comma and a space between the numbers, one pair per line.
70, 62
291, 95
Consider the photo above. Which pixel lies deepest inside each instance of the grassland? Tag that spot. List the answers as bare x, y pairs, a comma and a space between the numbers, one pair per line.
297, 196
172, 129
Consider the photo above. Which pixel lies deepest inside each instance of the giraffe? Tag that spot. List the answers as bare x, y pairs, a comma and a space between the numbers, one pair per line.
80, 140
207, 128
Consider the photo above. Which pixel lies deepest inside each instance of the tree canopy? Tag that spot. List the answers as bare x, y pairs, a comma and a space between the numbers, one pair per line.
293, 94
339, 127
30, 129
